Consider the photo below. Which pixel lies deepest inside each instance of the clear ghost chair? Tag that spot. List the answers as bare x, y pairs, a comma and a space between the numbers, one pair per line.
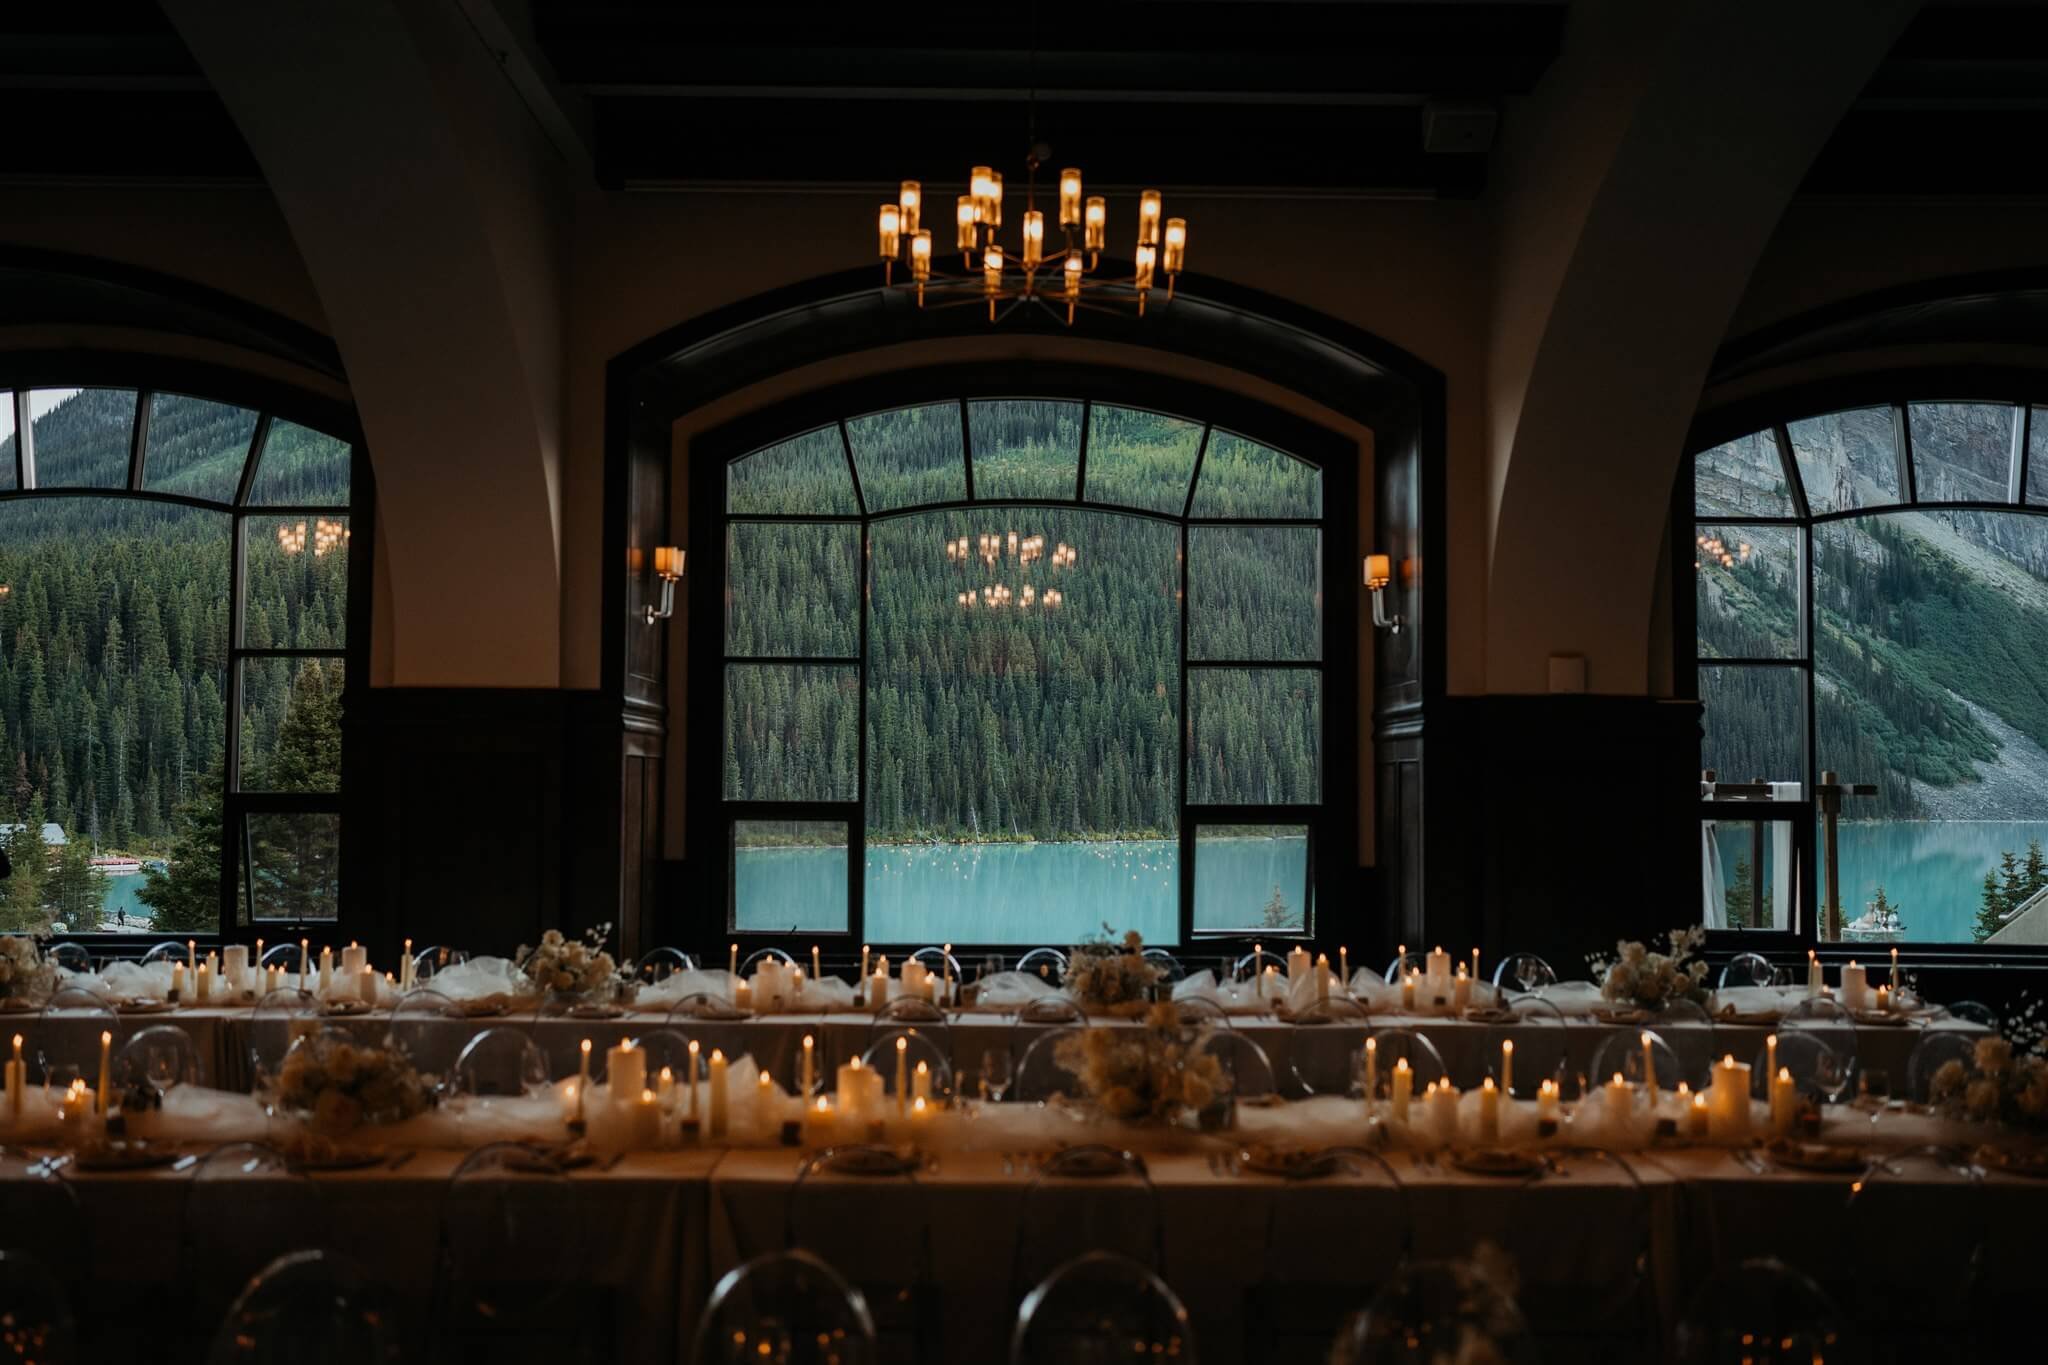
436, 958
910, 1013
1404, 964
1436, 1311
1323, 1047
661, 962
668, 1047
1971, 1012
68, 1030
1523, 972
918, 1049
1761, 1312
306, 1308
1621, 1053
1748, 969
430, 1029
1245, 1064
275, 1022
244, 1207
785, 1308
1689, 1031
1041, 1017
1173, 967
515, 1265
501, 1062
1042, 1075
44, 1222
72, 957
1392, 1046
1335, 1230
1820, 1073
733, 1037
1594, 1297
35, 1313
1936, 1315
1049, 964
1193, 1012
1826, 1021
285, 955
1542, 1049
1087, 1198
1930, 1054
1255, 962
1098, 1308
839, 1196
760, 955
156, 1060
164, 952
938, 961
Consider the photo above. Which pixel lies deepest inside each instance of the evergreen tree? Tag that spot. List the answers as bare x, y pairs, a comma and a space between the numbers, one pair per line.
1991, 910
186, 898
2036, 867
1276, 915
76, 894
1735, 900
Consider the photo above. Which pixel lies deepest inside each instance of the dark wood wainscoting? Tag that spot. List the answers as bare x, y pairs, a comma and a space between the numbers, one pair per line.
1545, 824
479, 817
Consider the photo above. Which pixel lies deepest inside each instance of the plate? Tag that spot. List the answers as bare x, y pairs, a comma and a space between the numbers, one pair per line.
16, 1004
1827, 1158
1755, 1018
1489, 1014
342, 1009
144, 1005
486, 1008
1291, 1163
1880, 1018
1496, 1161
2030, 1162
1617, 1014
596, 1012
126, 1154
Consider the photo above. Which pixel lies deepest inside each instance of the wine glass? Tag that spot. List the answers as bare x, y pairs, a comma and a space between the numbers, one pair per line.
995, 1072
161, 1067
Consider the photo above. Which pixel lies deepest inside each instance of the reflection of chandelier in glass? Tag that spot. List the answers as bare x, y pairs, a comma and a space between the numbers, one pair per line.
1714, 548
327, 535
991, 549
992, 274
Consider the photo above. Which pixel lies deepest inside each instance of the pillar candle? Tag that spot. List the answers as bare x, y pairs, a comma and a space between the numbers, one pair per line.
810, 1072
1443, 1111
366, 984
354, 958
1784, 1100
878, 984
1322, 976
1620, 1099
1297, 963
819, 1122
1650, 1066
202, 984
1884, 999
235, 968
1372, 1072
1489, 1112
693, 1077
920, 1115
921, 1084
913, 976
1855, 987
742, 996
902, 1071
1728, 1101
1461, 989
1812, 973
1408, 990
177, 981
852, 1087
1507, 1066
1438, 970
764, 1103
644, 1131
326, 970
625, 1069
106, 1071
1269, 984
1404, 1086
718, 1097
1546, 1101
1700, 1116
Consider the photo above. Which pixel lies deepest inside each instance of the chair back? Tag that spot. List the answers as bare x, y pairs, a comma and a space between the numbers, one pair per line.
1821, 1073
165, 952
1392, 1046
67, 1036
1437, 1310
1254, 963
1082, 1199
917, 1050
1748, 969
244, 1207
72, 957
158, 1057
1523, 972
285, 955
1325, 1046
1690, 1032
1172, 966
1406, 963
501, 1062
430, 961
430, 1029
787, 1306
1828, 1022
909, 1013
662, 962
1048, 964
306, 1308
1245, 1065
1972, 1012
1761, 1311
35, 1313
760, 955
1101, 1307
277, 1021
1637, 1056
939, 962
1042, 1074
1935, 1050
1541, 1039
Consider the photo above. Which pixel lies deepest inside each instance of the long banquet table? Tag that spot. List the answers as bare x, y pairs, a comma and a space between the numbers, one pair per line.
662, 1226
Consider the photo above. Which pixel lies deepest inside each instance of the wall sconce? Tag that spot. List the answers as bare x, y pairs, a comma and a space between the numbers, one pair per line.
1379, 571
668, 567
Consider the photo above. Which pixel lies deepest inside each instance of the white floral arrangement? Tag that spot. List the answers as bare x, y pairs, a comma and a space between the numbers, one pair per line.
1997, 1085
26, 976
571, 966
1160, 1072
1637, 976
340, 1085
1111, 975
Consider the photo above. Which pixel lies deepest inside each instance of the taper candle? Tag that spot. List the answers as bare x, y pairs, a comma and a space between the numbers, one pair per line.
693, 1077
106, 1071
718, 1096
902, 1074
810, 1072
1507, 1066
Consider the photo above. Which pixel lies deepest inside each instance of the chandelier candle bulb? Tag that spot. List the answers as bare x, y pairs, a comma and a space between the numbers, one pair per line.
909, 206
1813, 982
1034, 238
995, 199
902, 1074
1176, 254
694, 1050
981, 185
1095, 224
920, 259
1070, 197
1403, 1089
1649, 1041
1784, 1101
891, 231
965, 216
1142, 278
1507, 1066
1489, 1112
719, 1111
1148, 218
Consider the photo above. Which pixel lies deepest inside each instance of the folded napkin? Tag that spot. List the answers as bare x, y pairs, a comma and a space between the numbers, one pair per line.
132, 980
676, 987
480, 978
1573, 997
1012, 990
1772, 1001
825, 995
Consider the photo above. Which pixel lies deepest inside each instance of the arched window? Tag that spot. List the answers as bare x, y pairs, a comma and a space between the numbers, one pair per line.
177, 627
1870, 598
998, 670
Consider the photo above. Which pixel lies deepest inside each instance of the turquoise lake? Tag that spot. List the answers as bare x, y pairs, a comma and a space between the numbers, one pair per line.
1021, 893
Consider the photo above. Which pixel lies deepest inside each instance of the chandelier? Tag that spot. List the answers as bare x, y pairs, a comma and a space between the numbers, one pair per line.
327, 535
1061, 274
990, 550
1710, 547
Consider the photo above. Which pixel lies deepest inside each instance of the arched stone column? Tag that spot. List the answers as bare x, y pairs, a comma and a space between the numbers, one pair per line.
427, 203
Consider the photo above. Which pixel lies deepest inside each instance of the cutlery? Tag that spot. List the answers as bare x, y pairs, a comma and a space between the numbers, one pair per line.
185, 1162
616, 1158
401, 1159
